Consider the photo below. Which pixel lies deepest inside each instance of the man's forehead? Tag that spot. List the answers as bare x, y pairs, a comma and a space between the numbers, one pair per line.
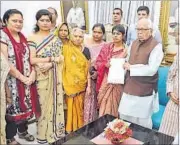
143, 11
117, 11
142, 23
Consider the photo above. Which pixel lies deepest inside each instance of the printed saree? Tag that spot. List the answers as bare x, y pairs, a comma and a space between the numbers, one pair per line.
109, 95
50, 125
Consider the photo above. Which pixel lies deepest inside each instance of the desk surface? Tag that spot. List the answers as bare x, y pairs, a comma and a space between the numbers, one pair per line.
93, 129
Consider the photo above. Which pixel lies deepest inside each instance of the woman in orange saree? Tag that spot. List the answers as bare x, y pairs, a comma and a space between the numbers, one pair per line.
110, 94
75, 79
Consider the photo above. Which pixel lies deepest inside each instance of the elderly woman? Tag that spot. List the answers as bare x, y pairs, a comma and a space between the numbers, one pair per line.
48, 61
95, 44
75, 78
20, 79
169, 123
110, 94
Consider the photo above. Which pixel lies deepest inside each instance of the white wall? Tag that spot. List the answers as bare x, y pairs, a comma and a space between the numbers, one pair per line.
29, 9
91, 15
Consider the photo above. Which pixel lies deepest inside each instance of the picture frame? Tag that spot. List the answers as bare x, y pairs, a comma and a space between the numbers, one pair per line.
67, 5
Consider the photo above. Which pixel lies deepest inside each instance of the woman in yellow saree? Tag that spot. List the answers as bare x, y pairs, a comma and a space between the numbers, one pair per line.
48, 61
75, 78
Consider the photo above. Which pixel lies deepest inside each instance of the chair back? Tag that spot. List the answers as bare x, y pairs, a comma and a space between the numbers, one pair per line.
163, 74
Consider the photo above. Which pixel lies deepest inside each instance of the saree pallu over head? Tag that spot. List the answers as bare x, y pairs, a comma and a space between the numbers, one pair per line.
19, 52
56, 33
75, 70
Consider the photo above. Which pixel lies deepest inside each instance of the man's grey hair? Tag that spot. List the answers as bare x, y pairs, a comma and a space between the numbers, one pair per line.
77, 29
150, 24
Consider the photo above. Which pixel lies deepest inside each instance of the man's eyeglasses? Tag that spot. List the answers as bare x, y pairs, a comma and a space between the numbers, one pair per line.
142, 29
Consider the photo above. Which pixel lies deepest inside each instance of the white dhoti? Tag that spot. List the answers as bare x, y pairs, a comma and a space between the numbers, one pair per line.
137, 109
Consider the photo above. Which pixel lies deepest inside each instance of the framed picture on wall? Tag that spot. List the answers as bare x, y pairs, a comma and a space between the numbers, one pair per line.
75, 13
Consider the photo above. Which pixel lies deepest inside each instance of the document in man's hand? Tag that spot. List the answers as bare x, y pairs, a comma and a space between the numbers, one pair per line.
116, 71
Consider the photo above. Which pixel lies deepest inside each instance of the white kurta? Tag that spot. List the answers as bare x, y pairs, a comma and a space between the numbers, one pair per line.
142, 107
76, 16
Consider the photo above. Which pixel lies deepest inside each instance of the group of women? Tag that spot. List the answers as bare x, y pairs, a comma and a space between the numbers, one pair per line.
60, 77
48, 70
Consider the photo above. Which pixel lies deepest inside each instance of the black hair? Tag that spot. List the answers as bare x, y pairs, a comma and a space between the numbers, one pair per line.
66, 26
99, 25
143, 8
53, 9
10, 12
119, 10
39, 14
119, 28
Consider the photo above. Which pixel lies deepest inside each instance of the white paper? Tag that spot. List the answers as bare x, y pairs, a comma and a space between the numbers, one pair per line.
116, 71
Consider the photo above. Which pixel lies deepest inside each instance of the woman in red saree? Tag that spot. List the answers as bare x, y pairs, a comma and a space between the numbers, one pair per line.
109, 95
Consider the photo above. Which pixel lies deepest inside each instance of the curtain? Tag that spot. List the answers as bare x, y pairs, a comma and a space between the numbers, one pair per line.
102, 11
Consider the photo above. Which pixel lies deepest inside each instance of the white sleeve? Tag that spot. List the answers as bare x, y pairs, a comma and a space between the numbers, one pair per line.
69, 19
151, 68
81, 18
